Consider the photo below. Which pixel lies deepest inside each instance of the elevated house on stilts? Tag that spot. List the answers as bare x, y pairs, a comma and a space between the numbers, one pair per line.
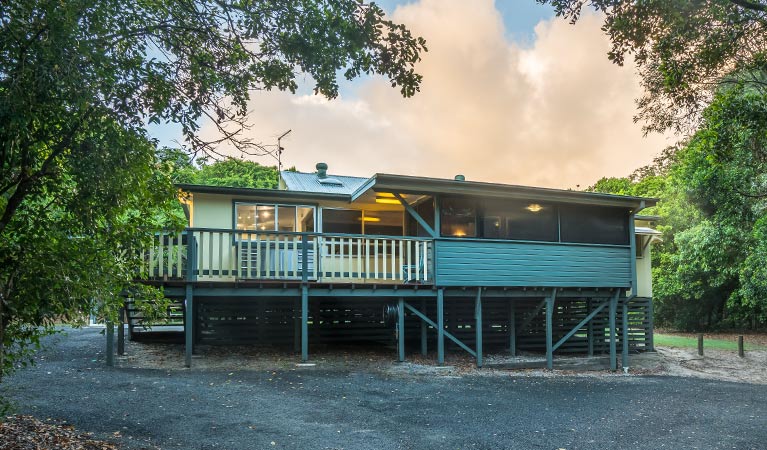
431, 263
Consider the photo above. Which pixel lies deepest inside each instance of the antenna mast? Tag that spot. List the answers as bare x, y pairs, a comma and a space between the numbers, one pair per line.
280, 149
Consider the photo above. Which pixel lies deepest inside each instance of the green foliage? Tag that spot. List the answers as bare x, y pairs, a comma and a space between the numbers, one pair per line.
232, 172
683, 50
710, 269
669, 340
82, 186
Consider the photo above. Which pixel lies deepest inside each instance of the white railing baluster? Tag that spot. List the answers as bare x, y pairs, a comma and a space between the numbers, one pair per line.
220, 254
383, 262
248, 255
150, 270
169, 258
375, 260
179, 241
367, 258
201, 255
402, 258
359, 258
210, 255
417, 262
268, 253
296, 240
161, 256
332, 258
316, 242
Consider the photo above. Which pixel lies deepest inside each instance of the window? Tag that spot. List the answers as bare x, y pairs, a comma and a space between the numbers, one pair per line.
386, 223
458, 218
305, 219
594, 225
270, 217
352, 221
520, 220
346, 221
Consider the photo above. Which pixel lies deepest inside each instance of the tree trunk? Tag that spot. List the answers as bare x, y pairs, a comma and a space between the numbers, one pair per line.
2, 337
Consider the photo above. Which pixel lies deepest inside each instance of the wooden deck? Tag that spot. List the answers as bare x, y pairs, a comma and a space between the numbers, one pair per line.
228, 256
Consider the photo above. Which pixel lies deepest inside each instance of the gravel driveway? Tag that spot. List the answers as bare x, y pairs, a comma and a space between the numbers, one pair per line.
314, 408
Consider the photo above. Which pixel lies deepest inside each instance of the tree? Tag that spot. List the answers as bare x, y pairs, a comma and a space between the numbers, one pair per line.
231, 172
683, 50
710, 269
82, 187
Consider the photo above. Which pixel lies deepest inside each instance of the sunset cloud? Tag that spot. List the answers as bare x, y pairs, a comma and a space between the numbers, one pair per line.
555, 113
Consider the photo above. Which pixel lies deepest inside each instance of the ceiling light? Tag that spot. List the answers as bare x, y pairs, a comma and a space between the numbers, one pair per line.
534, 207
388, 201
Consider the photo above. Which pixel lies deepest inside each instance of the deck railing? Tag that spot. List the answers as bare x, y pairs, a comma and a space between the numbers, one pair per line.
230, 255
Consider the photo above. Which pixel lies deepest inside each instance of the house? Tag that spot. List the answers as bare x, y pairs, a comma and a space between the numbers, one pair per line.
445, 262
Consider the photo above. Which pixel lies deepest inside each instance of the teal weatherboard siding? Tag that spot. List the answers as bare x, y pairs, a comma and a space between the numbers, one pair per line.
473, 262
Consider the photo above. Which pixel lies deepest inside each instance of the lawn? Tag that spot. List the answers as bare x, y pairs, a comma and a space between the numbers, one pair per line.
672, 340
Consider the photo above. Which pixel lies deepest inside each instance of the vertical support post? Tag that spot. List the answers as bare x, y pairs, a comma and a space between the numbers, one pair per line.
121, 333
424, 327
651, 320
401, 329
304, 323
512, 328
625, 334
549, 332
188, 325
741, 353
440, 326
191, 276
478, 322
613, 308
110, 332
632, 246
296, 325
590, 329
700, 344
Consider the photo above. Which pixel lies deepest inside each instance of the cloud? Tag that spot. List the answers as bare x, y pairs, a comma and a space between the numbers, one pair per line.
555, 114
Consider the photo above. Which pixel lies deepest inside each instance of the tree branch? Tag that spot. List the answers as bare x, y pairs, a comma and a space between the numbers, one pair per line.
747, 4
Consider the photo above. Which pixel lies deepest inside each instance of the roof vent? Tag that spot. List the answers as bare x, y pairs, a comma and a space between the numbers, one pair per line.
330, 181
322, 170
460, 177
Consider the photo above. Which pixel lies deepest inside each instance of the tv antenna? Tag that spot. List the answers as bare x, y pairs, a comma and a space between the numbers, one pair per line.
280, 149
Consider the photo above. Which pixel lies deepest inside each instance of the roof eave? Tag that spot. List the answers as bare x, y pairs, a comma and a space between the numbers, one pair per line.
253, 192
418, 185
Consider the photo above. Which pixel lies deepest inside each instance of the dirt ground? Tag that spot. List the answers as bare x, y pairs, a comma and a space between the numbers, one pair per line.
715, 365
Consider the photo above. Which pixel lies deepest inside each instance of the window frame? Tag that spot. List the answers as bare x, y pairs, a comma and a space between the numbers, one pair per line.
276, 206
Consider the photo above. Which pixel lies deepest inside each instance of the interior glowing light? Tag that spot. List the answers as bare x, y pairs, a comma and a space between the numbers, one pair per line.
388, 201
263, 227
371, 219
459, 233
264, 213
385, 194
534, 207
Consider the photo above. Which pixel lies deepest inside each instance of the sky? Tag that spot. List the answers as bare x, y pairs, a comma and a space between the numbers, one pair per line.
510, 94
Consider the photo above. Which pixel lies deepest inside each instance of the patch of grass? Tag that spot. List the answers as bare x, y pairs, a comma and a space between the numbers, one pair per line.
668, 340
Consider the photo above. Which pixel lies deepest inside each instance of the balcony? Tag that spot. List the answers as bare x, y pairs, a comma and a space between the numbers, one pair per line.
225, 255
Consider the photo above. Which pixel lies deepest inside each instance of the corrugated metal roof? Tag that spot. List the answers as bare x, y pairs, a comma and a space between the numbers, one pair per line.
308, 182
647, 231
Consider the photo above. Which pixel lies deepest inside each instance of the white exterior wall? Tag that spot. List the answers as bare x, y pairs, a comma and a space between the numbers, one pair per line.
644, 274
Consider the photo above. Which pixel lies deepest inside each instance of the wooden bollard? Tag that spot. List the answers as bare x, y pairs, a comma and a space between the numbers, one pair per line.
700, 344
741, 353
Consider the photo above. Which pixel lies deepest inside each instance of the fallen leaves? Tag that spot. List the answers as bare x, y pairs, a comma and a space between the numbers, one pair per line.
27, 433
